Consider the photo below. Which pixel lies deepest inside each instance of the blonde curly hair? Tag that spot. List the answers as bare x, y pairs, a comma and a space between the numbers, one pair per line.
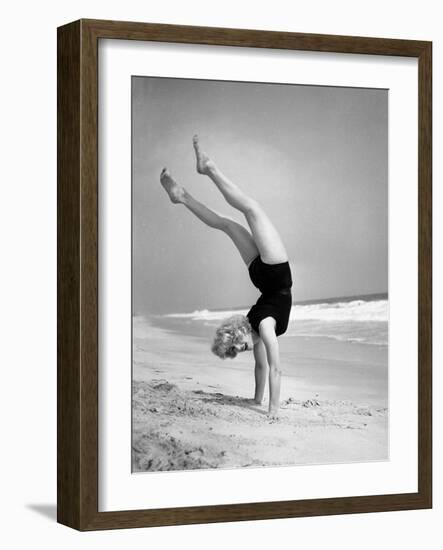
231, 332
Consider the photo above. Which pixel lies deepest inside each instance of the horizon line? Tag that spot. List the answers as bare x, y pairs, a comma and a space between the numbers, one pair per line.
295, 302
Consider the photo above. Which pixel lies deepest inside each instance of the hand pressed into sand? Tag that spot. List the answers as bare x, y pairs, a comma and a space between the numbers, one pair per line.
271, 349
273, 415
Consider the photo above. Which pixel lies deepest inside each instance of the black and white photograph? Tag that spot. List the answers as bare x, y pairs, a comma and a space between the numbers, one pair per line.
220, 286
259, 274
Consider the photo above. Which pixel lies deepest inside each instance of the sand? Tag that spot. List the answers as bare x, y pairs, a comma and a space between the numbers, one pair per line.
193, 411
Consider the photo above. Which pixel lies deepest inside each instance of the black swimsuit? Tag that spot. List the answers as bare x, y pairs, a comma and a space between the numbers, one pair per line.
274, 282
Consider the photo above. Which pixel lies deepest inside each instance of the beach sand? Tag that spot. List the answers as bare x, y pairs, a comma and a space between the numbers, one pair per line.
193, 411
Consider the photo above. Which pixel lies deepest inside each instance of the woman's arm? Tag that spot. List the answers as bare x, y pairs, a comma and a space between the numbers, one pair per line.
267, 334
260, 371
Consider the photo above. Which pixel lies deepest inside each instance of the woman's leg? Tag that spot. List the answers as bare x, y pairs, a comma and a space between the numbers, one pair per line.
238, 234
265, 234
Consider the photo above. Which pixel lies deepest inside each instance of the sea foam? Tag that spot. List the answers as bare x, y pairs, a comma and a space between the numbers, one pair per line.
356, 310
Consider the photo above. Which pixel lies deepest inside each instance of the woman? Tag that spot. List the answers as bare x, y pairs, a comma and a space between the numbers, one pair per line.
264, 254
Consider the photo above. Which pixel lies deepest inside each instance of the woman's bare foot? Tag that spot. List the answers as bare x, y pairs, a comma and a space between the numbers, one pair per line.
175, 191
204, 163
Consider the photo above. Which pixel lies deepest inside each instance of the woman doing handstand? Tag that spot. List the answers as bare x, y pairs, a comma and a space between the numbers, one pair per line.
265, 256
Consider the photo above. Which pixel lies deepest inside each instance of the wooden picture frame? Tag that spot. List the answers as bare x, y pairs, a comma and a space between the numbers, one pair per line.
77, 456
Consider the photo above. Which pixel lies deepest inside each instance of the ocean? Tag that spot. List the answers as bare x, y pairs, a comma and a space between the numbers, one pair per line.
356, 319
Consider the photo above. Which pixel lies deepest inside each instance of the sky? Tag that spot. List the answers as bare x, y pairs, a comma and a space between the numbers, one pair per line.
316, 158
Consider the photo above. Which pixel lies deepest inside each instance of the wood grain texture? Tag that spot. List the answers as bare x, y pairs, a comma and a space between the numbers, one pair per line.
89, 275
68, 276
254, 38
425, 274
77, 171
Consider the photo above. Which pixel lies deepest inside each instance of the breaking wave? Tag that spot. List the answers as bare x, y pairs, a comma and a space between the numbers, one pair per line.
355, 310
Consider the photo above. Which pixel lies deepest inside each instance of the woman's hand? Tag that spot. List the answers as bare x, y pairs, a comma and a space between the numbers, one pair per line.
273, 414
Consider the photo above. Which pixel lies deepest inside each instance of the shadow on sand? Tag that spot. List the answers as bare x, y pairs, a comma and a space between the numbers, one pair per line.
223, 399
